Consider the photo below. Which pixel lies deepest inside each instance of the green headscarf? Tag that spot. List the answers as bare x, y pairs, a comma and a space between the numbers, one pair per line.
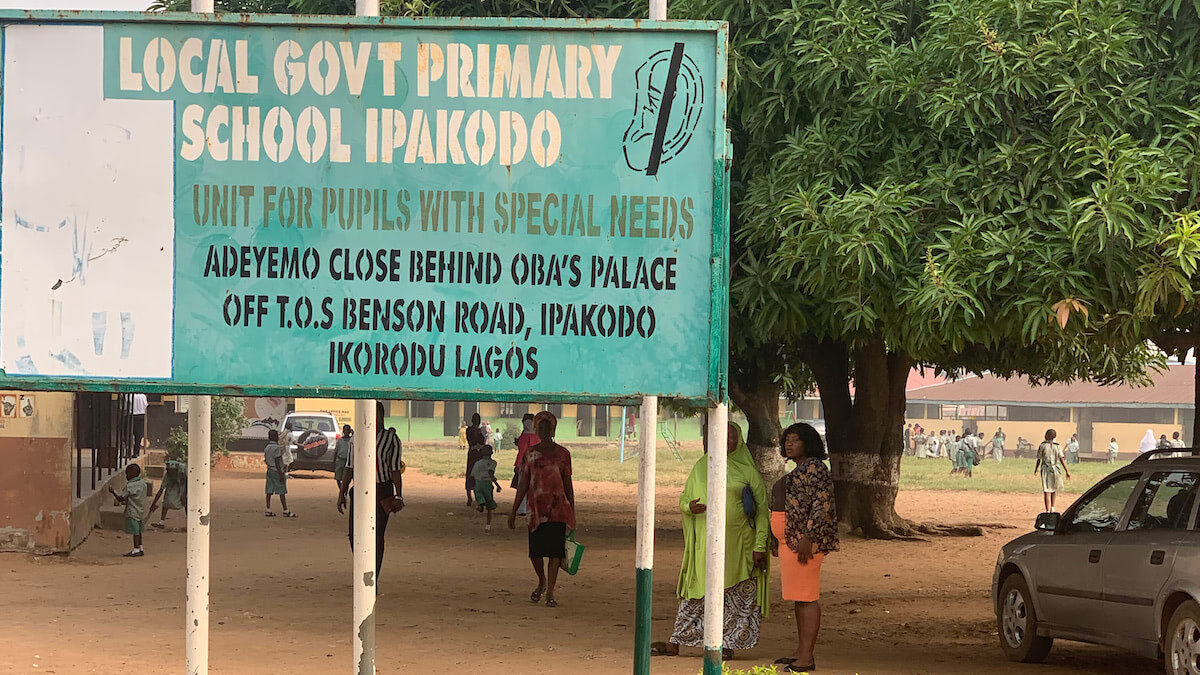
742, 538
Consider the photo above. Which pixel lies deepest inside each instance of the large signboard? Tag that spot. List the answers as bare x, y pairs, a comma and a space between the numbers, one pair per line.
347, 207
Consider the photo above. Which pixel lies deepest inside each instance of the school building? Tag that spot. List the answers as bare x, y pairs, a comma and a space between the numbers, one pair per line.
1096, 412
59, 452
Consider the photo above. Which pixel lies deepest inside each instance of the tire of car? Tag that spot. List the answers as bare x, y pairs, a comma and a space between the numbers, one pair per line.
1181, 644
1016, 620
313, 444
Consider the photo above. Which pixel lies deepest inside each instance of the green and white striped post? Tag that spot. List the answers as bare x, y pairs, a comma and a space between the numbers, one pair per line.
645, 535
714, 572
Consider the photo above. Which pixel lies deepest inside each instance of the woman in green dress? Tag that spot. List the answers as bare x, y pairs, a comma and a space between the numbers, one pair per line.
746, 573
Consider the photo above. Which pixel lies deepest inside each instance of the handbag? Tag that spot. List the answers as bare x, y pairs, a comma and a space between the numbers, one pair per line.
570, 564
749, 505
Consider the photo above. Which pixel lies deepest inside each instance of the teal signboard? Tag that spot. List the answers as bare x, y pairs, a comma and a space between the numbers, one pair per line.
483, 209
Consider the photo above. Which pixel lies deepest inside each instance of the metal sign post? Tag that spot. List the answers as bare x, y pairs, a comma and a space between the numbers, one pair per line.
363, 512
199, 480
198, 506
714, 586
645, 536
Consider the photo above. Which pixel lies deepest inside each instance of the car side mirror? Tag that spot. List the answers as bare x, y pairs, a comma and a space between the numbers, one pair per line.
1047, 522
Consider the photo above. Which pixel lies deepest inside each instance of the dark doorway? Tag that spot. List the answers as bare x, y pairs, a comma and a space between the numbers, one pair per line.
601, 420
451, 418
583, 420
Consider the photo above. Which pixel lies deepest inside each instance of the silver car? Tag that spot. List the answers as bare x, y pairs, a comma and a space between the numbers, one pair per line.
1120, 567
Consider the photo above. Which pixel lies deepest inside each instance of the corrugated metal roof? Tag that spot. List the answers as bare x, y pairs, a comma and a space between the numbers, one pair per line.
1173, 388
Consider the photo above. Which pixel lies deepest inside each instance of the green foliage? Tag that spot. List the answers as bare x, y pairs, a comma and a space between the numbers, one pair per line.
512, 431
986, 184
752, 670
177, 445
228, 419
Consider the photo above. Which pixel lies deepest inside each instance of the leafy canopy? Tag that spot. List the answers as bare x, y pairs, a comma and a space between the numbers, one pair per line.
985, 184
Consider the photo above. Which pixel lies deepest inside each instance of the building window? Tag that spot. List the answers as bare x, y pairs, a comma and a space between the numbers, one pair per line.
513, 409
422, 409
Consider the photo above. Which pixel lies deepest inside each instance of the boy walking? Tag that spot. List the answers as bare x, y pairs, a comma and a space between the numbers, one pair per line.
133, 496
484, 473
276, 477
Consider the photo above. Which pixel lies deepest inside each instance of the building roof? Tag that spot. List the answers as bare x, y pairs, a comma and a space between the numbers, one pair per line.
1172, 388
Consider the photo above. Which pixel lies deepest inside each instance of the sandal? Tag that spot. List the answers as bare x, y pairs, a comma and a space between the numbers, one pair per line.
726, 654
785, 661
793, 668
269, 514
662, 649
536, 595
550, 602
288, 514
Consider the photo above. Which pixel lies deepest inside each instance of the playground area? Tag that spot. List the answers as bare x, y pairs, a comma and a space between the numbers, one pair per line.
454, 600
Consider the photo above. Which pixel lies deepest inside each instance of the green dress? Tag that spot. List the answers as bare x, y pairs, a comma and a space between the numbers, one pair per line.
746, 591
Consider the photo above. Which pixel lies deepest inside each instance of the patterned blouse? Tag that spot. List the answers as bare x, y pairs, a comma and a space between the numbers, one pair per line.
547, 496
809, 506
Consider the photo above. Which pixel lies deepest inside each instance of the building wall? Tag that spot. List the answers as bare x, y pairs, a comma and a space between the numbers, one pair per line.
1129, 435
35, 472
1033, 432
35, 494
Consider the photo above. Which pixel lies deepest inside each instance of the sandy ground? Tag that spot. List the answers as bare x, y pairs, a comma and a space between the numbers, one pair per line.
456, 601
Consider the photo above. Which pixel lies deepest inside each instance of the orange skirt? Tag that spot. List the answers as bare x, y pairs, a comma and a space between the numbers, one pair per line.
801, 581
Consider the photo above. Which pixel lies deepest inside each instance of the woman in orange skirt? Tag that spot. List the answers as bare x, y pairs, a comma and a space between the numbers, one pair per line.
804, 529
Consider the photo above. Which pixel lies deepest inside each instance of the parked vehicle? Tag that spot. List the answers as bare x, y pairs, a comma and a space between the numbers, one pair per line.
315, 440
1120, 567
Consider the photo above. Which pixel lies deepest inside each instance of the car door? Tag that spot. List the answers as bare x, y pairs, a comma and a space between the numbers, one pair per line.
1141, 555
1069, 573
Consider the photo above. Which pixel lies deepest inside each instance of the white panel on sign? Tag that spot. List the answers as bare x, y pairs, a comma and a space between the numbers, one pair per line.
87, 285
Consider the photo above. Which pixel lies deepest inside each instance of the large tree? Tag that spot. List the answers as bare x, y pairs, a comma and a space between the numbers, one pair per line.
967, 184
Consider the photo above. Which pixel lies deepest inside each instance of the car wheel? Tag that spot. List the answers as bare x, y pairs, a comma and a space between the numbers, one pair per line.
1017, 622
1182, 641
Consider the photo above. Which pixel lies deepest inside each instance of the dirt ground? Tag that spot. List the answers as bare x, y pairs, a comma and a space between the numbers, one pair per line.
455, 601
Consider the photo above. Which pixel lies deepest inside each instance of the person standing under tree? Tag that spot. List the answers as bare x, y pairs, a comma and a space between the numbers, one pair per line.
1052, 464
1113, 450
389, 484
746, 595
804, 529
921, 444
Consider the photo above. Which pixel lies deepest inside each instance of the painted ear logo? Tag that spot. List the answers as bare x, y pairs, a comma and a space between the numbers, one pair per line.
666, 109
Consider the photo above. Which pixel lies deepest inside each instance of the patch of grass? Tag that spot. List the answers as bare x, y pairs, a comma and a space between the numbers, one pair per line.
588, 462
597, 462
1012, 475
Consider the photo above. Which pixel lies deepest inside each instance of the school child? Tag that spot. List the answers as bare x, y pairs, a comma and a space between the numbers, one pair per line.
484, 473
276, 476
173, 491
133, 496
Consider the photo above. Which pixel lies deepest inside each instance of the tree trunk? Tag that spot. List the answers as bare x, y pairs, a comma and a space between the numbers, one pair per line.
865, 434
757, 396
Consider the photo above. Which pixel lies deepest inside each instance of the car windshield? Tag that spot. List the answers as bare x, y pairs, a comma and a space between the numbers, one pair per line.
310, 423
